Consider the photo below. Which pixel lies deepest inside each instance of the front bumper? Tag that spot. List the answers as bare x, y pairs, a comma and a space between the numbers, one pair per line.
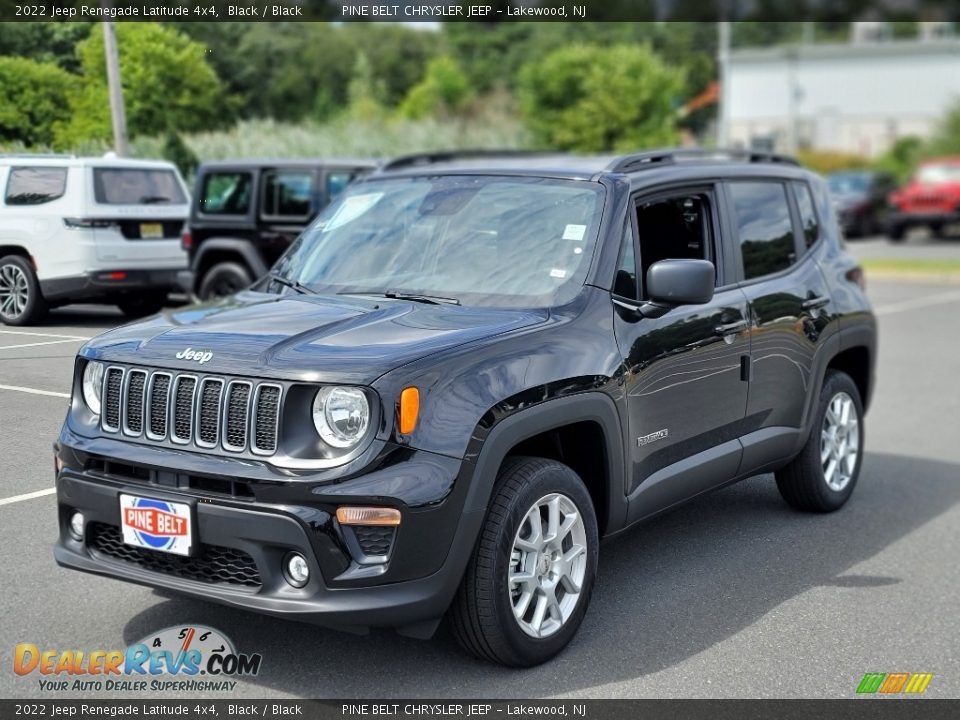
109, 284
242, 538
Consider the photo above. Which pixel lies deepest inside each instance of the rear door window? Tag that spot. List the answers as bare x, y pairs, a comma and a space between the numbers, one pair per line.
288, 194
137, 186
226, 193
35, 185
764, 227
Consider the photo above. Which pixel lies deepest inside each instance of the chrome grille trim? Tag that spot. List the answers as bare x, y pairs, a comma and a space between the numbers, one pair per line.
172, 422
165, 414
107, 402
201, 424
245, 420
255, 446
128, 394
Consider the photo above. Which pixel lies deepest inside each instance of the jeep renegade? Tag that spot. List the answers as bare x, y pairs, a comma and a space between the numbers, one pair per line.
465, 373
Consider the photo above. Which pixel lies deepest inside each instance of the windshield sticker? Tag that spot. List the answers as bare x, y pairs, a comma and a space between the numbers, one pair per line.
351, 208
558, 273
574, 232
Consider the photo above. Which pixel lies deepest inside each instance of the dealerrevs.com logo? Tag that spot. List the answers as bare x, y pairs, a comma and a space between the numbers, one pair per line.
176, 659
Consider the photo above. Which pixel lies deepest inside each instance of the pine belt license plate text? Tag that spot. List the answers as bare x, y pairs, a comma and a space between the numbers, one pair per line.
151, 231
156, 524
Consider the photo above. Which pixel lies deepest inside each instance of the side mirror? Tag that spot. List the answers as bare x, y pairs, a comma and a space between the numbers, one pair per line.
681, 282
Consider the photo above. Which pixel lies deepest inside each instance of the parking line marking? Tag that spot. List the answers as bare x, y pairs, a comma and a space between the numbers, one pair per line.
45, 342
36, 334
27, 496
943, 298
34, 391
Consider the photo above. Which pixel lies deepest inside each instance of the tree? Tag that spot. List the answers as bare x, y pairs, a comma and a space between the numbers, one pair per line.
590, 98
167, 85
442, 92
31, 100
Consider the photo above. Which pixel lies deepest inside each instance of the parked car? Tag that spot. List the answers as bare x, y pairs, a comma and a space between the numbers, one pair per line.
860, 198
245, 214
931, 199
88, 230
465, 373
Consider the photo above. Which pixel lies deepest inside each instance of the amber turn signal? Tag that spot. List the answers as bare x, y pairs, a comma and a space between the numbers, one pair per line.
409, 410
368, 516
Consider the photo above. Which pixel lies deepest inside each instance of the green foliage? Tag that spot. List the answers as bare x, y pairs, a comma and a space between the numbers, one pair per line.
167, 84
590, 98
31, 100
829, 161
902, 158
442, 92
45, 41
364, 92
176, 151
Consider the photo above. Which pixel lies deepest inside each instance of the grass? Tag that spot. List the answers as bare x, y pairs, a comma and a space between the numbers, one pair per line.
930, 266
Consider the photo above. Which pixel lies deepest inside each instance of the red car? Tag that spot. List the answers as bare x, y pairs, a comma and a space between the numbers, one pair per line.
931, 199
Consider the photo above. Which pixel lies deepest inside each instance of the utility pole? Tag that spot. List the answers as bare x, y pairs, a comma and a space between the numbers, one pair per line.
723, 72
117, 112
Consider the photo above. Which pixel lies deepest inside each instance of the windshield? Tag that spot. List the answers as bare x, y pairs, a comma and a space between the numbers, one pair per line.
481, 240
938, 173
848, 183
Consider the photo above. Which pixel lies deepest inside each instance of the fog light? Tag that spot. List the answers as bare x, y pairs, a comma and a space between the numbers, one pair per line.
297, 570
76, 526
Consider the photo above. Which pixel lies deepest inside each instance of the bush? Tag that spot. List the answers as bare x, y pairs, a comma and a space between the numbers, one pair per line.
31, 100
830, 161
443, 91
589, 98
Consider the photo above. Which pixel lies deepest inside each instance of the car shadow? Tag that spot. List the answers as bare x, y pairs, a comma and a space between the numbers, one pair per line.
667, 590
91, 316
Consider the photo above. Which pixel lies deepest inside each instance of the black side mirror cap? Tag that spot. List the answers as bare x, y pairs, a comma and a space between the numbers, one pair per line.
681, 282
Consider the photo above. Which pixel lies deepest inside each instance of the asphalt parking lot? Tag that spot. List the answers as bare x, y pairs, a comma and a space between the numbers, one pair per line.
733, 595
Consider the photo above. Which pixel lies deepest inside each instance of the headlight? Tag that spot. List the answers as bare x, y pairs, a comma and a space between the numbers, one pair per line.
341, 415
92, 385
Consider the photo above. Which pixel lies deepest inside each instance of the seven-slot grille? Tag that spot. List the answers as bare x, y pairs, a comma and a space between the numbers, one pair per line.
206, 412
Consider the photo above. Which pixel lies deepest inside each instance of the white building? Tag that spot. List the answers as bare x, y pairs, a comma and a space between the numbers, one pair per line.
857, 98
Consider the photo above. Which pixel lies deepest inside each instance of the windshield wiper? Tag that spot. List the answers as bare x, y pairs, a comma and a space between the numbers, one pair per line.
292, 284
154, 199
412, 297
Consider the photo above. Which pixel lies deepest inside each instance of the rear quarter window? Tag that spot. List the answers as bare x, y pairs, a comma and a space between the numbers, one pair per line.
137, 186
226, 193
35, 185
764, 227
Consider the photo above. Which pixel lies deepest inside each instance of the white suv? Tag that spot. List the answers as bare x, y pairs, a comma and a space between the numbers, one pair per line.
88, 230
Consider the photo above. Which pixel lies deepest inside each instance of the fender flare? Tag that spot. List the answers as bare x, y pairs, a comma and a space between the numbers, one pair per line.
591, 406
244, 248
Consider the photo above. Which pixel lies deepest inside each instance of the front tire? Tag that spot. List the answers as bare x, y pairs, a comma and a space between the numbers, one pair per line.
21, 302
527, 588
822, 477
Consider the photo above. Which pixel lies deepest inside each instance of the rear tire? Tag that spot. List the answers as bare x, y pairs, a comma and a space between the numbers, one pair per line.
527, 587
21, 302
822, 477
896, 233
224, 279
139, 306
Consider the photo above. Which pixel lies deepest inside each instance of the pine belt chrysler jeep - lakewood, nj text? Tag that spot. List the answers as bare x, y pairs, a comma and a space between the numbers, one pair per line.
465, 373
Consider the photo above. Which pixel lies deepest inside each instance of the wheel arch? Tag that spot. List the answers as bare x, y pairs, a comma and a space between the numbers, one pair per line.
564, 429
14, 249
225, 249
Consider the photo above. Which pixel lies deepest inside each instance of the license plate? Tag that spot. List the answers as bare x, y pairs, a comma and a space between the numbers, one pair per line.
151, 231
156, 524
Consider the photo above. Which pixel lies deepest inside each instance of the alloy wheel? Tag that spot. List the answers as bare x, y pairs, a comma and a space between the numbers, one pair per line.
840, 441
548, 564
14, 291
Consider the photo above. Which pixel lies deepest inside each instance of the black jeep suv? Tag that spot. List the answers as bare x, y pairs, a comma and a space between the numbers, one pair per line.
465, 373
246, 213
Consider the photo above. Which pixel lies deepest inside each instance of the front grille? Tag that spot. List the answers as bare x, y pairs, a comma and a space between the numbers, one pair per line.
212, 564
374, 540
206, 412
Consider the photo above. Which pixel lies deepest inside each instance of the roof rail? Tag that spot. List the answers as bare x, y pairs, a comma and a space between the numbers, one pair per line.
38, 156
654, 158
429, 158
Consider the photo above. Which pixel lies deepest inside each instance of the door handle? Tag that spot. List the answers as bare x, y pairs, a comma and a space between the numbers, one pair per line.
815, 303
731, 328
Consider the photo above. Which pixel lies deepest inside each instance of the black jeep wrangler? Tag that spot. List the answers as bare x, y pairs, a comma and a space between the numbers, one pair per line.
245, 214
465, 373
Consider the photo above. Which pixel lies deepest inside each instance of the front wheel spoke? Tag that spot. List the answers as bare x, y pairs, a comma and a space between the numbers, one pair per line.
553, 519
569, 522
539, 612
826, 450
522, 578
522, 603
536, 528
569, 584
830, 470
526, 545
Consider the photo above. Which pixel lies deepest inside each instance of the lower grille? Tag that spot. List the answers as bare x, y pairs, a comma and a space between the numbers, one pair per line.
212, 564
374, 540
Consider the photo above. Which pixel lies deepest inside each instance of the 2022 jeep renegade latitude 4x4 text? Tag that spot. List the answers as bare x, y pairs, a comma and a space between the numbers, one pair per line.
465, 373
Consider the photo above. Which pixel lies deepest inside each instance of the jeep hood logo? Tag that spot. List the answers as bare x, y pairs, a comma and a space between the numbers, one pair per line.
201, 356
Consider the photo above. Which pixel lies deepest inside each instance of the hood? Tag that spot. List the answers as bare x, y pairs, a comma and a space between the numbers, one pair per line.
303, 337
